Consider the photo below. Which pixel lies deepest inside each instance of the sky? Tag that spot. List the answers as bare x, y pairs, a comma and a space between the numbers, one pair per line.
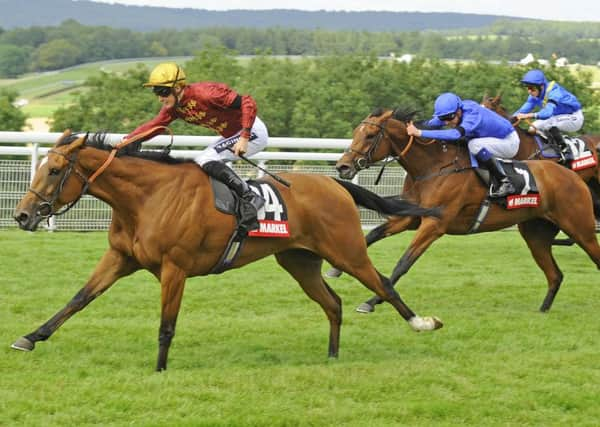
559, 10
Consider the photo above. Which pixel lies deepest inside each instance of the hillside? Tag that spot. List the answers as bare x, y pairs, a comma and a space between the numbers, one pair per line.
18, 14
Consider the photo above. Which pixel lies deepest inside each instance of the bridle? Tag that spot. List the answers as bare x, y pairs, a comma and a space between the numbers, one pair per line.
45, 209
366, 157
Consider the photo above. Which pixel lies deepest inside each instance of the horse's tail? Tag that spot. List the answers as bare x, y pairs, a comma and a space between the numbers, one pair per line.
386, 205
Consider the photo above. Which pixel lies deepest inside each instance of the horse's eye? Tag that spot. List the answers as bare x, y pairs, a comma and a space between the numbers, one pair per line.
54, 171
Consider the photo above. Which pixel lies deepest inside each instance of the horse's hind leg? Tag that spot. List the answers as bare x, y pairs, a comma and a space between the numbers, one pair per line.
111, 267
305, 267
594, 188
393, 225
359, 266
539, 235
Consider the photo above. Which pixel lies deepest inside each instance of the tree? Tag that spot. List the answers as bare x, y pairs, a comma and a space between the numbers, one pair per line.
13, 60
55, 54
11, 117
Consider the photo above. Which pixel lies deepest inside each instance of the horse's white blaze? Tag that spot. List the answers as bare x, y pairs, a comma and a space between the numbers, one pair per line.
43, 161
419, 323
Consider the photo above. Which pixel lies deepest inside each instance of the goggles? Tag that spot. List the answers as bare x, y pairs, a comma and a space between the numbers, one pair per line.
533, 87
447, 117
162, 91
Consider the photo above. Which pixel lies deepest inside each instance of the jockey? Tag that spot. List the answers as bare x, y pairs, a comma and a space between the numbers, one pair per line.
488, 134
218, 107
559, 109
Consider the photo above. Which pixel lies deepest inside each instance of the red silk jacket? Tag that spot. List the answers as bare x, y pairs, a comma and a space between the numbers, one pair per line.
207, 104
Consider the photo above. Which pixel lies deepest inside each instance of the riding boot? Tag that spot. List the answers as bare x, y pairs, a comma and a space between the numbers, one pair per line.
558, 141
250, 201
497, 171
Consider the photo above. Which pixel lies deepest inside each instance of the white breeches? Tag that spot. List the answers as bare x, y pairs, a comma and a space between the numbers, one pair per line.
564, 122
218, 150
504, 148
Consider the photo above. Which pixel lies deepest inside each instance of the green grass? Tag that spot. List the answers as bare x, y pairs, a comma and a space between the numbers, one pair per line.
250, 348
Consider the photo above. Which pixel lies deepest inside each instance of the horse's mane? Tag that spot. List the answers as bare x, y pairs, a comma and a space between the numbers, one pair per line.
402, 114
99, 141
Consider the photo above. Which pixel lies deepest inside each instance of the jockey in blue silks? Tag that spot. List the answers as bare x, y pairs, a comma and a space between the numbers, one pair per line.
489, 135
559, 109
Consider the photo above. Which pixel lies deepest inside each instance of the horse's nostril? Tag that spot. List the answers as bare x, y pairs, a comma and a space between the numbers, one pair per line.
21, 217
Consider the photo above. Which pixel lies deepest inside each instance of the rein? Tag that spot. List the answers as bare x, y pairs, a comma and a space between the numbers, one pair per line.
45, 208
365, 160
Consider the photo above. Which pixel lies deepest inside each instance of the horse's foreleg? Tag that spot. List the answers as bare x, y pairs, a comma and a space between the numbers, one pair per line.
111, 267
428, 232
172, 281
393, 225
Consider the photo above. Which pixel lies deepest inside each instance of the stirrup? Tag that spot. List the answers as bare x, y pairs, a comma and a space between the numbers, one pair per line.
254, 199
506, 188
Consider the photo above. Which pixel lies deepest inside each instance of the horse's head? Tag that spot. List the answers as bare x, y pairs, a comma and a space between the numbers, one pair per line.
494, 103
373, 140
57, 183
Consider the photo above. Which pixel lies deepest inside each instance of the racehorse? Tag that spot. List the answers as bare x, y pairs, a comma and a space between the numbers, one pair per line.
528, 150
441, 175
164, 221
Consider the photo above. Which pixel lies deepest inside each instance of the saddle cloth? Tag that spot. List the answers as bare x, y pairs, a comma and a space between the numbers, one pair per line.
272, 217
526, 193
576, 154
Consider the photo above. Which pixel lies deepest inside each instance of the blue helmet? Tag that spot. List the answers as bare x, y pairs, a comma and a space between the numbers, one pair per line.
534, 77
446, 103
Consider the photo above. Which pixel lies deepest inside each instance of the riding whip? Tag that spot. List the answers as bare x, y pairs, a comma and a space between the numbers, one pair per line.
272, 175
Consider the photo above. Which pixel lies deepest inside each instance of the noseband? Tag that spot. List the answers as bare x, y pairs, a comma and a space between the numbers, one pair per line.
45, 209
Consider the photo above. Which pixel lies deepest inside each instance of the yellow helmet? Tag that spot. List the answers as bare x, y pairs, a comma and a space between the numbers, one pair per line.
166, 74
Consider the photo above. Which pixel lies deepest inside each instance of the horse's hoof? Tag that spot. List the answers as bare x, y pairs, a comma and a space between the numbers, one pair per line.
365, 307
23, 344
333, 273
421, 324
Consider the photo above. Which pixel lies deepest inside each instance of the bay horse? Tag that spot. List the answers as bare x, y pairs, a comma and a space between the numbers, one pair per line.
164, 221
441, 175
530, 149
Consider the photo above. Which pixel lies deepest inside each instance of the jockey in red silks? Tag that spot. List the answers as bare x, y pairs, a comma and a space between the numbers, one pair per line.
218, 107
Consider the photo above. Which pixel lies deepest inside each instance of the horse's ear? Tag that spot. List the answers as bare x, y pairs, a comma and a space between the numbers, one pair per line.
78, 143
484, 98
65, 134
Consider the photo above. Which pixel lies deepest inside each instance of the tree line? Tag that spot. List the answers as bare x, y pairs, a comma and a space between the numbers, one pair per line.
316, 97
70, 43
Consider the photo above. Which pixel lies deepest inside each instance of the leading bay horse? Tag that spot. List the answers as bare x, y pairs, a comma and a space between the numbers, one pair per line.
441, 175
164, 221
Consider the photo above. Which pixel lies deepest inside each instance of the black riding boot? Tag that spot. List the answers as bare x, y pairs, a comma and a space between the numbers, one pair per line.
251, 202
558, 140
497, 171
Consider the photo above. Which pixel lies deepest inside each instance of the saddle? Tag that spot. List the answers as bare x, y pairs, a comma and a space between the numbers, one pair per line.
272, 218
526, 192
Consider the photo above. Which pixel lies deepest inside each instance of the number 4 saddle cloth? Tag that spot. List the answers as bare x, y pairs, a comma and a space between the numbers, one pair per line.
272, 218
